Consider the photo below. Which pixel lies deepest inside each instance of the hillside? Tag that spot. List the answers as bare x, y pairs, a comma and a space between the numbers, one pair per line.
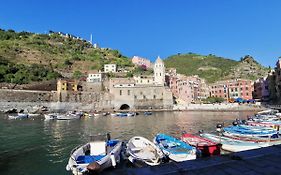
56, 52
214, 68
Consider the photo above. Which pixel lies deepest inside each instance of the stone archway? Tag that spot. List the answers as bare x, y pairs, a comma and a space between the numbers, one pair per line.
124, 107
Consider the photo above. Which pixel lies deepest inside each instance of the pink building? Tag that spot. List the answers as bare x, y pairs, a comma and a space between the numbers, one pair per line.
232, 89
261, 89
136, 60
188, 89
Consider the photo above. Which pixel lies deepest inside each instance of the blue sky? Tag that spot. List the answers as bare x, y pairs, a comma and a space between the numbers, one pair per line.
148, 28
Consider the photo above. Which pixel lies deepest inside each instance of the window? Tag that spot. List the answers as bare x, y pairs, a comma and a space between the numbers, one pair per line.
247, 88
129, 92
241, 89
120, 92
247, 93
235, 89
141, 92
144, 97
160, 74
154, 96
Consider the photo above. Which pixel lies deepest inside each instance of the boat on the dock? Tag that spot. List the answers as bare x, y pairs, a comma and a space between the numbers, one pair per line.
206, 146
175, 149
250, 131
95, 156
142, 151
233, 145
272, 124
125, 114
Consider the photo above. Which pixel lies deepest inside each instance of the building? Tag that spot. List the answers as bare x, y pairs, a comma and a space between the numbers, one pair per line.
142, 92
110, 68
261, 89
187, 88
94, 77
144, 79
139, 61
159, 72
129, 95
68, 85
278, 79
232, 89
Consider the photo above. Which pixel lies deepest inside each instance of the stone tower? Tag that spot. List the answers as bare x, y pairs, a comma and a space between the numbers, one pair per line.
159, 72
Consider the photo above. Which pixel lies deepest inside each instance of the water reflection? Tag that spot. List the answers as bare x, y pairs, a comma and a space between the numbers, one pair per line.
47, 144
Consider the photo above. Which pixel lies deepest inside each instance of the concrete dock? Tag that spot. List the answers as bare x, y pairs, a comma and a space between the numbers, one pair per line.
264, 161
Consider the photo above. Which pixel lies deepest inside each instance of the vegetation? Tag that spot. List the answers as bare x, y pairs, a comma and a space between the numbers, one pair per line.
62, 53
214, 68
211, 100
22, 74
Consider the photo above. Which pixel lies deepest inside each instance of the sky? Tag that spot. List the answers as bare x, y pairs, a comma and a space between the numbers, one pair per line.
148, 28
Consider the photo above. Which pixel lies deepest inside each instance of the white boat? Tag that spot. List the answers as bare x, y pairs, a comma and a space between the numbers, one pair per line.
33, 115
142, 151
69, 116
233, 145
175, 149
51, 116
18, 116
94, 156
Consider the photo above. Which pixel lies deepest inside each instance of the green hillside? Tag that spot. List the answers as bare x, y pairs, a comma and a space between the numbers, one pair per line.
214, 68
56, 52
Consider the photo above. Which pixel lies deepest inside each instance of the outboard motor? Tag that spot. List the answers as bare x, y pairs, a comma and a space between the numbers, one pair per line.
201, 131
219, 127
234, 123
244, 122
108, 136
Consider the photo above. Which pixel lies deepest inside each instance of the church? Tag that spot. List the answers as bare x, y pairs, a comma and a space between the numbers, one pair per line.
142, 92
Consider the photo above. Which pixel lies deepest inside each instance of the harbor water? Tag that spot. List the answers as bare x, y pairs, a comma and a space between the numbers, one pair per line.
35, 146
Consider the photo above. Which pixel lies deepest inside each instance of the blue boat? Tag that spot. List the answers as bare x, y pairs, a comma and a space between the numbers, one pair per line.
175, 149
250, 131
147, 113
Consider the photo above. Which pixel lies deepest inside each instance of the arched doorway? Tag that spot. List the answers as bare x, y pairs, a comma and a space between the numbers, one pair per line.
124, 107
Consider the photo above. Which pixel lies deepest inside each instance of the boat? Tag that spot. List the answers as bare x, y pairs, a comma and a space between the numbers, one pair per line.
18, 116
94, 156
33, 115
175, 149
143, 152
206, 146
147, 113
232, 145
70, 116
51, 116
268, 112
272, 124
250, 131
125, 114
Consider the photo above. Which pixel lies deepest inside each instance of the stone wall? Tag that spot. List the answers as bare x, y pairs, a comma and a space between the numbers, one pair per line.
7, 95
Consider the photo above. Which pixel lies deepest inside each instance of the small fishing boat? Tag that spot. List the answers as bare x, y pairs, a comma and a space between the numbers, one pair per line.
125, 114
51, 116
142, 151
272, 124
232, 145
18, 116
175, 149
147, 113
33, 115
206, 146
95, 156
70, 116
250, 131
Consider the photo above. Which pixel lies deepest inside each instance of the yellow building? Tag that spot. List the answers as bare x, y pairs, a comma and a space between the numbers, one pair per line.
67, 85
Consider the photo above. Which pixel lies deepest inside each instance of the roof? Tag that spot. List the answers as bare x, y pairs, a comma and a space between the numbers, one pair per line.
159, 60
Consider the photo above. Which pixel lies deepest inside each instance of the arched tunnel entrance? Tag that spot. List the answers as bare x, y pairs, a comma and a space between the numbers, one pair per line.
124, 107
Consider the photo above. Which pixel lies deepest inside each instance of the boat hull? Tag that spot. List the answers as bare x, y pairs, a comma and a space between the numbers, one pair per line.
206, 147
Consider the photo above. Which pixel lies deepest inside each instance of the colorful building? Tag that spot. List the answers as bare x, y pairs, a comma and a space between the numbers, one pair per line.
110, 68
67, 85
139, 61
232, 89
